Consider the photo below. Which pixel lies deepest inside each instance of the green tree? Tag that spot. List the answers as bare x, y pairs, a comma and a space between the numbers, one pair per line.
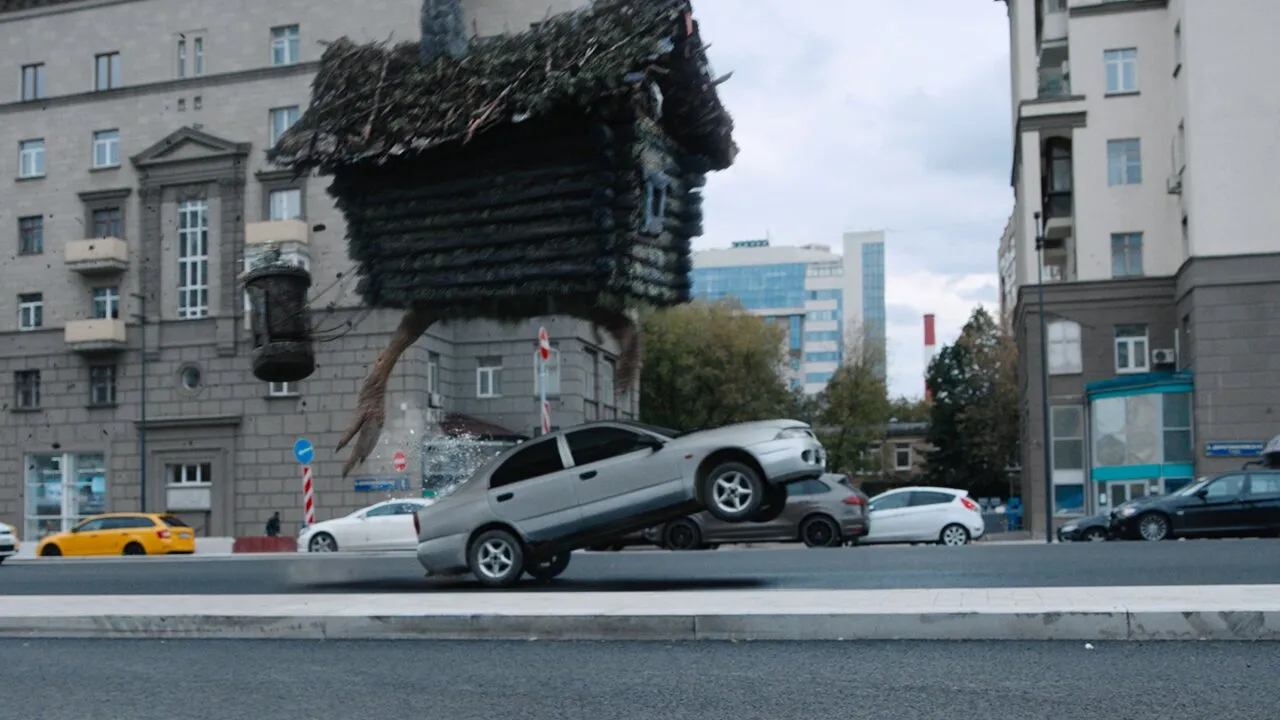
710, 364
905, 409
854, 407
974, 420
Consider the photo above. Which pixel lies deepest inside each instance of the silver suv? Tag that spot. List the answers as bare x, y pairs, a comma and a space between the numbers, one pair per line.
530, 507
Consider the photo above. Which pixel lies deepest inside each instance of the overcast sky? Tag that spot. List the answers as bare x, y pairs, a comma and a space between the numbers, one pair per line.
862, 115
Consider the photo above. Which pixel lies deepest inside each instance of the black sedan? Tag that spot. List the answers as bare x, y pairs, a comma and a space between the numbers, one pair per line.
1234, 504
1095, 528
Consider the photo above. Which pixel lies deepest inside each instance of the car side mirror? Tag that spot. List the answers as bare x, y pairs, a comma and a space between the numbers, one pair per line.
1202, 493
653, 443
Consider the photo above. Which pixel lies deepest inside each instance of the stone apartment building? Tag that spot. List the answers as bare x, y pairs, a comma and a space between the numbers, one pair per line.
136, 132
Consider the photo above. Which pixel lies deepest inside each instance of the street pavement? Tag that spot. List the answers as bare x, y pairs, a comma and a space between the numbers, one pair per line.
312, 680
1202, 562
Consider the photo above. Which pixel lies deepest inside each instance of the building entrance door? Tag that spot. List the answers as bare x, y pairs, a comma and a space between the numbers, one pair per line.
1122, 491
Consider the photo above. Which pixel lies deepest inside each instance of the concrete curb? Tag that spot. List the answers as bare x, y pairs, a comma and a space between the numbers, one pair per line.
1080, 626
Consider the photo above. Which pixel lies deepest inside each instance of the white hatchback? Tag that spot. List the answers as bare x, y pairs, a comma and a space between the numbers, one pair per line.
924, 515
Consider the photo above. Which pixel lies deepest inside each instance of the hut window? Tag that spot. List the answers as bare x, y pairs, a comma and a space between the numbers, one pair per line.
655, 204
489, 377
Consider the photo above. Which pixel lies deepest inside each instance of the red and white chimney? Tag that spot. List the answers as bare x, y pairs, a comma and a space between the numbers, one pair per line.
930, 348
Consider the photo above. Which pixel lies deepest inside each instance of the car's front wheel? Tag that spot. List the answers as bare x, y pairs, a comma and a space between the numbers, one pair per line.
1153, 526
496, 558
322, 542
1094, 535
733, 492
549, 568
775, 502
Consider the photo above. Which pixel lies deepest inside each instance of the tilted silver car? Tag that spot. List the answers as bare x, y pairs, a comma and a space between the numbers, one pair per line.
527, 509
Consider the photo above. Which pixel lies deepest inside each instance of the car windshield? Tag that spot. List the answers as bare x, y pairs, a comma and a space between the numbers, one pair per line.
1192, 488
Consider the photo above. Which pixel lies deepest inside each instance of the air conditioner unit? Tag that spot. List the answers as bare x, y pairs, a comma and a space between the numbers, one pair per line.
435, 400
1166, 356
1174, 184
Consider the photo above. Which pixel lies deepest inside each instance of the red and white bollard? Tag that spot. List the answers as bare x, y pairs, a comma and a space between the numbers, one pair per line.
308, 497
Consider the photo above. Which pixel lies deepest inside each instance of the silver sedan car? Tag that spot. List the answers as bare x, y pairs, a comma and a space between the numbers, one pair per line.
527, 509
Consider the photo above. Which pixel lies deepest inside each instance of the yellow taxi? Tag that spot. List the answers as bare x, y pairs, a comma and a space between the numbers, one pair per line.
122, 534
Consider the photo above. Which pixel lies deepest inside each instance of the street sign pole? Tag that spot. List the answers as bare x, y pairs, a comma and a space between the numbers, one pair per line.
305, 452
544, 354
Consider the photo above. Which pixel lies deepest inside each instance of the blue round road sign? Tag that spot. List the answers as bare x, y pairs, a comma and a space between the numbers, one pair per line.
304, 451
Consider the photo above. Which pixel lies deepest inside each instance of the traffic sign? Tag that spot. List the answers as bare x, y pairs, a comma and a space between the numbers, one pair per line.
544, 344
399, 461
304, 451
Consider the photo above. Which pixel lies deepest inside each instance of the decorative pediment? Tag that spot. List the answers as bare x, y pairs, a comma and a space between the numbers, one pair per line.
188, 144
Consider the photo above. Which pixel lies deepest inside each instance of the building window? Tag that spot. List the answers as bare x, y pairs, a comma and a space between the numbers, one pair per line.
1178, 447
27, 389
281, 120
608, 387
553, 370
822, 315
193, 259
31, 158
489, 377
197, 58
106, 71
1064, 348
1177, 48
30, 311
285, 204
281, 389
1122, 70
182, 58
822, 336
33, 81
102, 385
902, 456
30, 235
193, 474
433, 372
1066, 428
106, 303
106, 148
1056, 6
284, 45
1124, 162
589, 387
1126, 255
1131, 348
107, 222
818, 357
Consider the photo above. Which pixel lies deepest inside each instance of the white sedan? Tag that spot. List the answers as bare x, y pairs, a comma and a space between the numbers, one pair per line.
946, 516
8, 541
387, 525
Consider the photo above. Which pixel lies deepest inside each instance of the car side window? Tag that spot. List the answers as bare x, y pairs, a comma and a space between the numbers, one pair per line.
382, 511
890, 502
929, 497
1264, 484
1224, 487
136, 522
533, 460
807, 487
601, 443
408, 508
91, 526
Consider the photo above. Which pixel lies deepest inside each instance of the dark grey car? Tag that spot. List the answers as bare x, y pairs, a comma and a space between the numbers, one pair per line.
822, 512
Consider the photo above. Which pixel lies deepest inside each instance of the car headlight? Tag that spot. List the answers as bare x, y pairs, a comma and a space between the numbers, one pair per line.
1068, 528
1127, 512
790, 433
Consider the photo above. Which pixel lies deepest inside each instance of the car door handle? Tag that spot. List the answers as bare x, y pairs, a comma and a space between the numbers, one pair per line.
505, 497
588, 475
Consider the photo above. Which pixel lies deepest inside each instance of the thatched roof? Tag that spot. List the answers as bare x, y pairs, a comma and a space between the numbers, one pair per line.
373, 102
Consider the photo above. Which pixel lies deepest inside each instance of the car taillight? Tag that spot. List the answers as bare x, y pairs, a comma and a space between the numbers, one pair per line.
854, 500
162, 534
417, 525
969, 504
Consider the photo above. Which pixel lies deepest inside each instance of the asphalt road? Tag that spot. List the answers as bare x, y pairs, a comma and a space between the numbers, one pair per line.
1202, 562
305, 680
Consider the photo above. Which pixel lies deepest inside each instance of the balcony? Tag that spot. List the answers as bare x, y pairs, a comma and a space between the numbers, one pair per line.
1059, 261
1053, 25
293, 233
97, 256
1054, 84
96, 335
1059, 218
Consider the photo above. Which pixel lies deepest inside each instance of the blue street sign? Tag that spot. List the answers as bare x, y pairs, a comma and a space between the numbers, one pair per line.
304, 451
1233, 449
381, 484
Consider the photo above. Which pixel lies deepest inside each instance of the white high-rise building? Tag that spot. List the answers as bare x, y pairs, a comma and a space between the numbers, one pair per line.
820, 294
1141, 131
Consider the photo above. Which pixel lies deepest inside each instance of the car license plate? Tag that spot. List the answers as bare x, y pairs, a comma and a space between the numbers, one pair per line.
185, 536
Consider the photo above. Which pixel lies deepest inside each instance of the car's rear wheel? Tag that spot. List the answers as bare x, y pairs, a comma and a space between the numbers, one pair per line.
1094, 535
496, 558
954, 535
134, 548
733, 492
820, 531
51, 551
1153, 527
322, 542
681, 535
549, 568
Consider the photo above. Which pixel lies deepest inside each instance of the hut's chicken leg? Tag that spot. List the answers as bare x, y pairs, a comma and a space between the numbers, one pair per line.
371, 410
